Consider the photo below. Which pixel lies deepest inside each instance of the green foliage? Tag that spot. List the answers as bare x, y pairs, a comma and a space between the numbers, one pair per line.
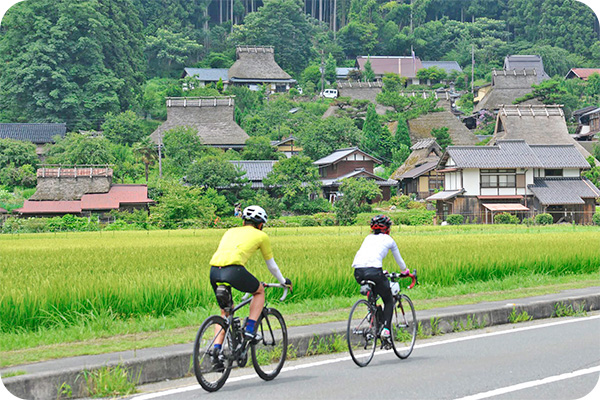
17, 153
354, 193
505, 218
442, 137
414, 217
368, 74
321, 137
110, 382
294, 180
356, 39
168, 51
400, 201
523, 316
154, 94
70, 62
455, 219
567, 310
544, 219
433, 73
66, 223
330, 69
214, 172
124, 128
76, 148
182, 146
596, 218
376, 138
402, 136
259, 148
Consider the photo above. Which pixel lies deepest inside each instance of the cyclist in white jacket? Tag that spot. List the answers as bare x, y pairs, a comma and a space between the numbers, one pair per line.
368, 265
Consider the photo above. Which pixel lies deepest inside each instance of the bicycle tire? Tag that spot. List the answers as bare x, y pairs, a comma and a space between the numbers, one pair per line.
362, 332
209, 375
270, 351
404, 326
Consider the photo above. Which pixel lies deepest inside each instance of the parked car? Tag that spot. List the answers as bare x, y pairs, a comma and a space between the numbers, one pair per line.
329, 93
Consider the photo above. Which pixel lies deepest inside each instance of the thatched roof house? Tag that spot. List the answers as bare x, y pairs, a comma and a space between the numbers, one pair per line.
420, 128
256, 66
543, 124
518, 62
211, 117
423, 152
507, 86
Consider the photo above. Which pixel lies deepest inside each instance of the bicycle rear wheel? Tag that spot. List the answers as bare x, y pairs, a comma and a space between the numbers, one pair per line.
269, 352
404, 326
212, 366
361, 334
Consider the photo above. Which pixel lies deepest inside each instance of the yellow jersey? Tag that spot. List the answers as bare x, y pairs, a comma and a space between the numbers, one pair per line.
238, 244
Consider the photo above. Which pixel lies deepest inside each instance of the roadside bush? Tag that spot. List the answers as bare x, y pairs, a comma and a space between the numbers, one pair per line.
455, 219
400, 201
544, 219
505, 218
324, 219
596, 218
308, 221
528, 221
414, 217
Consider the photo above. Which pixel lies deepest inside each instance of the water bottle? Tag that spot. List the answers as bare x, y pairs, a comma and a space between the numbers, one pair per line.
395, 288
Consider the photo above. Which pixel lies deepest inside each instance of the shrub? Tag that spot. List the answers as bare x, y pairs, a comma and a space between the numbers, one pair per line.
400, 201
414, 217
596, 218
324, 219
308, 221
416, 205
544, 219
505, 218
528, 221
455, 219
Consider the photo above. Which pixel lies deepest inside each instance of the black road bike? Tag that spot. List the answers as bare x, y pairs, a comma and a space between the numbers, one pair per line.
268, 350
366, 322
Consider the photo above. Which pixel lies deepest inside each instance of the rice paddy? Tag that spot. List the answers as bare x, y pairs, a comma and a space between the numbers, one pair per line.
54, 280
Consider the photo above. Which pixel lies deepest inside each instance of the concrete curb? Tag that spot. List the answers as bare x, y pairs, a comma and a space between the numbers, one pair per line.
46, 379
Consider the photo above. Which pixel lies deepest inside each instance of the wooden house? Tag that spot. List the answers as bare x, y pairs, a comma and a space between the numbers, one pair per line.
418, 174
507, 86
350, 163
211, 117
581, 73
516, 177
288, 146
588, 123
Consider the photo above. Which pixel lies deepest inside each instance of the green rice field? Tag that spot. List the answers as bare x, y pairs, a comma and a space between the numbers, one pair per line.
51, 280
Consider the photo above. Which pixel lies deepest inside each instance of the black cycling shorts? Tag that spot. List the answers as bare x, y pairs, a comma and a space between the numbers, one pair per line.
236, 275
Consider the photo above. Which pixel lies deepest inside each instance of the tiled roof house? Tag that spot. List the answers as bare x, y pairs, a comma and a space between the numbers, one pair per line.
38, 134
516, 177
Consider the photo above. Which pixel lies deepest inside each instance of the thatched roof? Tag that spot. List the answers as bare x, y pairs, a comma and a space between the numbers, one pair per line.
212, 117
534, 124
256, 63
530, 62
423, 153
507, 86
420, 128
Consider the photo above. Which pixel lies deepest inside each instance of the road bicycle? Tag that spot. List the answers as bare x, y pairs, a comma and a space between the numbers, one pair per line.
366, 322
268, 350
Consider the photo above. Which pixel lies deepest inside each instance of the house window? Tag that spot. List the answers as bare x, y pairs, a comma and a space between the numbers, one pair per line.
498, 178
553, 172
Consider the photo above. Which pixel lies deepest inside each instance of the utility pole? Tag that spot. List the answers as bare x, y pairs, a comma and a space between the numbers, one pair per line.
472, 66
334, 17
159, 155
322, 69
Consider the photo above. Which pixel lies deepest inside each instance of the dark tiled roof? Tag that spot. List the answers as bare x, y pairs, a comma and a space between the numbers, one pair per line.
551, 191
447, 66
559, 156
418, 171
208, 74
520, 62
256, 170
36, 133
341, 153
506, 154
359, 173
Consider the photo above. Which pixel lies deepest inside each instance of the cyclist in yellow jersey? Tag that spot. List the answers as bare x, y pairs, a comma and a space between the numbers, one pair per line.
228, 265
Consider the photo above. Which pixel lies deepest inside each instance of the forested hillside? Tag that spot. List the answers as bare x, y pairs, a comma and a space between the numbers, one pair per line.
73, 62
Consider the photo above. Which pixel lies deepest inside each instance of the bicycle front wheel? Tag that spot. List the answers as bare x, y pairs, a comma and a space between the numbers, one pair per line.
361, 334
404, 326
270, 349
212, 365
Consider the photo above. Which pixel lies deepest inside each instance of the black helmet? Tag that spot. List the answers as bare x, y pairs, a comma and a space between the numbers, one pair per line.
381, 224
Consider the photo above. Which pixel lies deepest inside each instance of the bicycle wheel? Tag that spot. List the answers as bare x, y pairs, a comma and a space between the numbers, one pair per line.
269, 352
404, 326
361, 334
212, 366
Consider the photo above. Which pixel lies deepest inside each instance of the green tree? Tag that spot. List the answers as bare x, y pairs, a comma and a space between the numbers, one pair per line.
168, 51
125, 128
402, 136
147, 153
72, 62
358, 38
259, 148
323, 136
442, 137
125, 165
294, 180
330, 69
368, 74
182, 146
283, 25
180, 206
354, 194
214, 172
17, 153
376, 139
78, 149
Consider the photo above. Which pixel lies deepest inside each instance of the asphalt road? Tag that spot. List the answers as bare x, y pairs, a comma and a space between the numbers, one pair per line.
547, 359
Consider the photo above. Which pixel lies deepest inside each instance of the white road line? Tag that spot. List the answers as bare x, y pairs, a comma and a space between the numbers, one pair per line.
530, 384
417, 346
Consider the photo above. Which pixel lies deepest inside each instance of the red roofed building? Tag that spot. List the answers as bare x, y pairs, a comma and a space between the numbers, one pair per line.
582, 73
80, 191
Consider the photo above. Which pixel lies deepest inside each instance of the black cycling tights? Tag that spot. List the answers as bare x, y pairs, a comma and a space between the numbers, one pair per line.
382, 288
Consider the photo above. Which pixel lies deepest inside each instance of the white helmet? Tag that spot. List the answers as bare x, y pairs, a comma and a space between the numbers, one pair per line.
255, 213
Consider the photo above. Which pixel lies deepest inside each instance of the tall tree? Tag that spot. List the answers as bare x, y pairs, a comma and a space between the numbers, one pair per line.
294, 179
376, 139
125, 128
72, 62
402, 136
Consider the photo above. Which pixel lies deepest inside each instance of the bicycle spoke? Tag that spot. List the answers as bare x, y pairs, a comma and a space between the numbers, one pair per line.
361, 333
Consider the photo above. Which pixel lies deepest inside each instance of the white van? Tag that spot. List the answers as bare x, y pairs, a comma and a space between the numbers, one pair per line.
329, 93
